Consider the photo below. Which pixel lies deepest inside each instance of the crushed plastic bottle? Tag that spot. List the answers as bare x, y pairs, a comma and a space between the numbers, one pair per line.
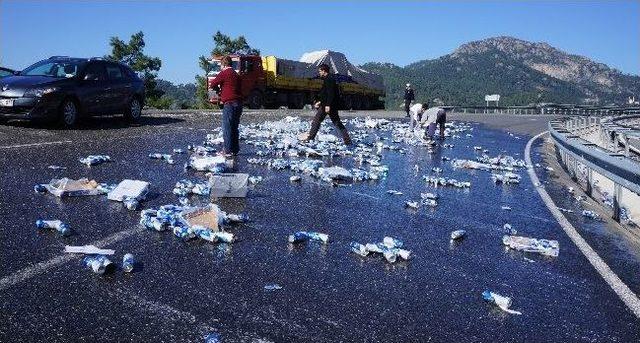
501, 301
128, 263
303, 236
254, 180
429, 202
272, 287
178, 151
58, 225
99, 264
165, 157
509, 230
131, 203
541, 246
295, 178
394, 192
411, 204
93, 160
458, 234
506, 208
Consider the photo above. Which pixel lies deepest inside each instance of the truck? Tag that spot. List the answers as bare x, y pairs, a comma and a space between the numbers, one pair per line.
272, 82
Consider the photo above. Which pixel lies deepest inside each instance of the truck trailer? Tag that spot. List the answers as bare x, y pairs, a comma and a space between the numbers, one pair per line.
271, 82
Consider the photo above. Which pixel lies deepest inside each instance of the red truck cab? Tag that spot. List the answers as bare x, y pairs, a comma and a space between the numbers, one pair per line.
249, 67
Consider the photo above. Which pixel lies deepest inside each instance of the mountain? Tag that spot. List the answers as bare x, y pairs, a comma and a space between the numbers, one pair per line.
177, 96
521, 72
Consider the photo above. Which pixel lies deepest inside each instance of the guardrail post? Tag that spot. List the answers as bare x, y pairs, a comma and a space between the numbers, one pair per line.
617, 194
589, 189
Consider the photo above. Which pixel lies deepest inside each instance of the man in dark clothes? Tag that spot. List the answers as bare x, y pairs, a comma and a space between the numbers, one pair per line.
329, 99
441, 121
408, 98
231, 97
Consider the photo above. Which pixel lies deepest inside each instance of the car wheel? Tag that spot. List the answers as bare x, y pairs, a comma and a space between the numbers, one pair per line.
134, 111
68, 113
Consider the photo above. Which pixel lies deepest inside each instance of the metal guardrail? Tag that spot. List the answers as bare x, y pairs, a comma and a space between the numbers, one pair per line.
622, 171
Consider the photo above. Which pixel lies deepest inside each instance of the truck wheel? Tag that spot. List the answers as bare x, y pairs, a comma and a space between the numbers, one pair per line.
366, 103
255, 100
296, 101
348, 102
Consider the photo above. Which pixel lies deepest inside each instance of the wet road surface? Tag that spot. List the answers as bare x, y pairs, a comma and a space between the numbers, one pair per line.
182, 291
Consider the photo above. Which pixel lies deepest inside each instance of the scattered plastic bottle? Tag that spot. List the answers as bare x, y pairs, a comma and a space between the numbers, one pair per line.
359, 249
254, 180
272, 287
99, 264
458, 234
212, 337
394, 192
375, 247
507, 227
128, 263
214, 236
178, 151
40, 188
391, 242
237, 218
166, 157
93, 160
295, 178
61, 227
184, 232
131, 203
411, 204
302, 236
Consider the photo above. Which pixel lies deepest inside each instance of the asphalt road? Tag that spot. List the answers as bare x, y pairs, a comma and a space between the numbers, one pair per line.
183, 291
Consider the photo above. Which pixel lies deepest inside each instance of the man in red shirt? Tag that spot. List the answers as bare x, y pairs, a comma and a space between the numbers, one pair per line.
231, 98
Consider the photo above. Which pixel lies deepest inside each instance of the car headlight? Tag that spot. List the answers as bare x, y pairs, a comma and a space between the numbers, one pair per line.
38, 92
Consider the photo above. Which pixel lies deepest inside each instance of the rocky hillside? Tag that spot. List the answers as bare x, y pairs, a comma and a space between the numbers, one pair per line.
521, 72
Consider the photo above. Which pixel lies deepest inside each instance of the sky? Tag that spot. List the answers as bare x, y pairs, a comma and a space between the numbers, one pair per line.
380, 31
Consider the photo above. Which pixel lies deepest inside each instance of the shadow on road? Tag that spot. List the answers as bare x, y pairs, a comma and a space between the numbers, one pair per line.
95, 123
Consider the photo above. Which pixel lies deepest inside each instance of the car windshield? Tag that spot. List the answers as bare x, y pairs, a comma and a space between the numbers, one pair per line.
4, 73
58, 69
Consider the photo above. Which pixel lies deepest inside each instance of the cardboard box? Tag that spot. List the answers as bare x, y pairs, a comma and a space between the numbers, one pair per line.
207, 216
229, 185
129, 189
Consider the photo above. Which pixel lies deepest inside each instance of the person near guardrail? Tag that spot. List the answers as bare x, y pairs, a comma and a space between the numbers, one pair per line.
409, 96
329, 99
231, 97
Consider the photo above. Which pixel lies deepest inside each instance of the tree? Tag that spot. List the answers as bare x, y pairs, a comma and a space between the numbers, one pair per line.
132, 54
224, 45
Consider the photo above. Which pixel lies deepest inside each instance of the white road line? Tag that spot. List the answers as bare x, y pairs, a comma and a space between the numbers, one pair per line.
620, 288
41, 267
33, 144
